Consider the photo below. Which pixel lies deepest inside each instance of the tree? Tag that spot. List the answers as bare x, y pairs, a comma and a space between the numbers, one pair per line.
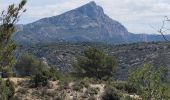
149, 82
29, 65
8, 20
96, 64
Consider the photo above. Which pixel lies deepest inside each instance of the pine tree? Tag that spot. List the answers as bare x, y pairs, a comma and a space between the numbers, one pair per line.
8, 20
96, 64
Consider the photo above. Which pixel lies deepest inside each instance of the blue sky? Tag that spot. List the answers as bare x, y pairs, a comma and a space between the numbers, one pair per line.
136, 15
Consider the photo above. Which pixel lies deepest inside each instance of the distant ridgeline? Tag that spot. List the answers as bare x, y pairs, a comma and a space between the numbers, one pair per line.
63, 56
87, 23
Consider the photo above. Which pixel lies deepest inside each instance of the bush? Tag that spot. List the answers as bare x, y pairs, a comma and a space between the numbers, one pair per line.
85, 82
128, 98
40, 79
7, 89
11, 88
29, 65
88, 81
53, 74
43, 76
155, 77
130, 88
110, 94
77, 86
123, 86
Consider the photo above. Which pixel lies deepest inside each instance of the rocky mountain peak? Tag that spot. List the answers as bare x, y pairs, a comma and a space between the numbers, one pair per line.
91, 9
92, 3
87, 23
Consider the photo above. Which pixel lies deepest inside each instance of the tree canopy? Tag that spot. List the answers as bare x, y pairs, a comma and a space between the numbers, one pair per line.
96, 64
8, 20
150, 82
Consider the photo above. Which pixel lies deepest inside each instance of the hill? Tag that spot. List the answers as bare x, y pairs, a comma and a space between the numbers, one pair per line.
64, 55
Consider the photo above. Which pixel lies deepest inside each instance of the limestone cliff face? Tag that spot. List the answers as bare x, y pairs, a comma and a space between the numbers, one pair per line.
87, 23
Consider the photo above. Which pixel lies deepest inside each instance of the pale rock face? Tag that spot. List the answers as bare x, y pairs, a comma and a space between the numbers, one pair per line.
87, 23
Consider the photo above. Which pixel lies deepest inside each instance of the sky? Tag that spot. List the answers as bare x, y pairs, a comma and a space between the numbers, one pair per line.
138, 16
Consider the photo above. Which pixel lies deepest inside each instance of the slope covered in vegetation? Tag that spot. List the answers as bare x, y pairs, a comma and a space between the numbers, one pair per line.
63, 56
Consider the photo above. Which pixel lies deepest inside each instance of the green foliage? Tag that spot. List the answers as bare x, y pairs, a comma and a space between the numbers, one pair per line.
124, 86
149, 82
43, 75
8, 20
128, 98
29, 65
111, 94
7, 89
53, 74
96, 64
11, 88
4, 90
78, 85
40, 79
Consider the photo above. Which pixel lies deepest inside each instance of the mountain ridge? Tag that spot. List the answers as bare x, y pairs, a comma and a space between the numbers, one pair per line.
87, 23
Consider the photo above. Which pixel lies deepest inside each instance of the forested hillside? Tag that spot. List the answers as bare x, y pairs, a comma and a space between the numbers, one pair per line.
63, 56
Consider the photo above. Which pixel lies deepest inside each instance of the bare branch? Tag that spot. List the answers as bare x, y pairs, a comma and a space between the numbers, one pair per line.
163, 28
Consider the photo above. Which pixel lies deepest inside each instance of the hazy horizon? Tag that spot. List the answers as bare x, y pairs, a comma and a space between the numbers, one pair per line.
136, 16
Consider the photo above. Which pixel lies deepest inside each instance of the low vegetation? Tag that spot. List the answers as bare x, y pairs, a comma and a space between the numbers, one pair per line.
150, 82
7, 89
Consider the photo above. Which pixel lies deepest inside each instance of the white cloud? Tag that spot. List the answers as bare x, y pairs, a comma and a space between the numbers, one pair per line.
136, 15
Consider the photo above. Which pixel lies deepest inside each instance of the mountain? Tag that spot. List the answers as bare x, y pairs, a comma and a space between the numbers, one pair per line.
87, 23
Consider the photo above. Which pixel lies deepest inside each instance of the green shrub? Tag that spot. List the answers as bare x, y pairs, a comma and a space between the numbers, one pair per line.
79, 84
40, 79
111, 94
29, 65
77, 87
53, 74
7, 89
150, 82
87, 80
85, 83
128, 98
123, 86
130, 88
11, 88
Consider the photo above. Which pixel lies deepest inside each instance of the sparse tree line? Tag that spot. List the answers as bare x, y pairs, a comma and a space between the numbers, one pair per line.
148, 82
